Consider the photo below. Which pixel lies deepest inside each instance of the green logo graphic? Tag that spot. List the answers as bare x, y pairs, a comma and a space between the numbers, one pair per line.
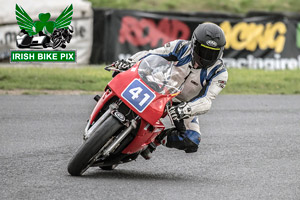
32, 28
44, 33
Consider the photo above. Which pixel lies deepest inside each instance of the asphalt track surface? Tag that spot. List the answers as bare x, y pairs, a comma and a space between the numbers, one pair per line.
250, 149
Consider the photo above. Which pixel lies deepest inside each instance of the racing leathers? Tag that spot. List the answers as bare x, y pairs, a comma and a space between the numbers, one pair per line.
201, 86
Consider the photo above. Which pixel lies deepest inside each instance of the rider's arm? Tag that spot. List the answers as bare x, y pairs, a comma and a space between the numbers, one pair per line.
170, 51
202, 104
166, 51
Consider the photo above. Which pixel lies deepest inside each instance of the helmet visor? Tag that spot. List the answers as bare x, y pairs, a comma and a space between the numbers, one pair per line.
206, 52
205, 56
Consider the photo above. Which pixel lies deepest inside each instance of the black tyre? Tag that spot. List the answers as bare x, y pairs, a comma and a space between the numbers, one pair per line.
108, 168
46, 42
93, 145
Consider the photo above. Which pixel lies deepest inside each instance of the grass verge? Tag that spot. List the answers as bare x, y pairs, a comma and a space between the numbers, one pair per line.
233, 6
246, 81
33, 80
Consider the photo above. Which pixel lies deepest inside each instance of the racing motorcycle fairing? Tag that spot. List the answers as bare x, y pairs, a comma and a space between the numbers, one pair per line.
146, 89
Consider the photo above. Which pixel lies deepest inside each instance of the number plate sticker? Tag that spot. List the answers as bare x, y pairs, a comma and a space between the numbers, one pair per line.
138, 95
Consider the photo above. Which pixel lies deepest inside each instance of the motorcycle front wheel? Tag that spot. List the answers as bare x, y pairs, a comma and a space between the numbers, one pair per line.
82, 158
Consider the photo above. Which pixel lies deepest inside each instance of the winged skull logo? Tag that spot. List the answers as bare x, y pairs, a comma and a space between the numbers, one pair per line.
54, 33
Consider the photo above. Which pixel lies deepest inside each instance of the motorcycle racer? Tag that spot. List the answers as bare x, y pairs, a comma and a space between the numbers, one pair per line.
203, 76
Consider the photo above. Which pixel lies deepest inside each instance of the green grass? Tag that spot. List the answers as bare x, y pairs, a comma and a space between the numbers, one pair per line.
241, 81
233, 6
32, 78
246, 81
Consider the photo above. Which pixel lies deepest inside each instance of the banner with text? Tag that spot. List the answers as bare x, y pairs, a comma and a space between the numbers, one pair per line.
261, 41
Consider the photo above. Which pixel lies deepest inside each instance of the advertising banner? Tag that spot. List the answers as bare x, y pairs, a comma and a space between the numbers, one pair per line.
260, 41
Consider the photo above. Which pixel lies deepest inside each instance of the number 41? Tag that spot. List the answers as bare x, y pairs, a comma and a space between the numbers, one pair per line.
136, 93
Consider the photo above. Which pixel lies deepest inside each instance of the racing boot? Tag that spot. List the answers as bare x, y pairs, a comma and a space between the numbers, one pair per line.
188, 140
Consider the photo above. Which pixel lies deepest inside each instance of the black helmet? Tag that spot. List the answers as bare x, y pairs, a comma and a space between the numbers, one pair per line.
208, 43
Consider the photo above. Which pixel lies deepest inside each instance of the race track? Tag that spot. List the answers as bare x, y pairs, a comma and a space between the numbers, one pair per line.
250, 149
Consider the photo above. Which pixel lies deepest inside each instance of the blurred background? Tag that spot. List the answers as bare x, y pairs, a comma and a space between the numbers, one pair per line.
260, 34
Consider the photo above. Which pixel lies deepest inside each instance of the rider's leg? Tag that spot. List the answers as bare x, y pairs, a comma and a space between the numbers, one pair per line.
187, 139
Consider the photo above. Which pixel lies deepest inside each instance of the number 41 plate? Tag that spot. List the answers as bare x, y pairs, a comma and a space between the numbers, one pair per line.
138, 95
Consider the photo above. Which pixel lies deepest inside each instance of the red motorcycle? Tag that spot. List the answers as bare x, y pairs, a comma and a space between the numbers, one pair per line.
131, 113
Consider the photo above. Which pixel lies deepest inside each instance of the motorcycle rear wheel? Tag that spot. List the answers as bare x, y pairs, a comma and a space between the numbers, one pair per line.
81, 160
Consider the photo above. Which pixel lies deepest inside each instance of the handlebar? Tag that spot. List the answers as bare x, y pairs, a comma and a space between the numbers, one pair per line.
111, 67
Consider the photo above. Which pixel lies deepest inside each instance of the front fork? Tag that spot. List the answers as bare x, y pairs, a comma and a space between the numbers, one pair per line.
112, 144
90, 129
115, 141
119, 138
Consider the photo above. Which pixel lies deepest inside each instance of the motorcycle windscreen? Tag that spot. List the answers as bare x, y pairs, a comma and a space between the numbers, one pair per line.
161, 75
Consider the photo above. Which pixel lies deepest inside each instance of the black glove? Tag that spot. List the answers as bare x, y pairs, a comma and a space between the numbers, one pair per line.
123, 64
181, 111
